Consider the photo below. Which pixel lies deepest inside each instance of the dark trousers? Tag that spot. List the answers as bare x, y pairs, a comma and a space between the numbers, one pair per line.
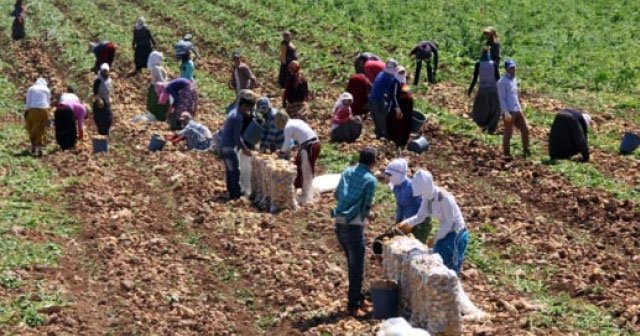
232, 171
351, 238
282, 75
431, 75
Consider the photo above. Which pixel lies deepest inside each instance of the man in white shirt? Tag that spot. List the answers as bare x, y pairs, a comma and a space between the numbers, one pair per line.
37, 114
512, 113
308, 153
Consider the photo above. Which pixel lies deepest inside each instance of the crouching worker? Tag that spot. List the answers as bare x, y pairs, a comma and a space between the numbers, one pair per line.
308, 151
345, 127
230, 139
568, 135
354, 197
105, 52
197, 135
452, 236
407, 204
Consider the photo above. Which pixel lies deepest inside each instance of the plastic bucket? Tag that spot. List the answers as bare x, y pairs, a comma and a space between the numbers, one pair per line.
253, 133
386, 298
417, 120
418, 145
100, 145
629, 143
156, 143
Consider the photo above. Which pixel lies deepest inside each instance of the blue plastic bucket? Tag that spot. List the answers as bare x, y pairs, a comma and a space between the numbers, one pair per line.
253, 133
386, 299
100, 145
418, 145
417, 120
629, 143
157, 143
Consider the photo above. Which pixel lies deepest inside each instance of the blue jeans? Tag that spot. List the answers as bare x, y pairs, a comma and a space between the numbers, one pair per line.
379, 115
351, 238
232, 170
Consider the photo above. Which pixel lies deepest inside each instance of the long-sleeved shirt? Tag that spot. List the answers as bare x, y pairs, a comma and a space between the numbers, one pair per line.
508, 95
407, 205
424, 50
272, 137
296, 89
381, 85
569, 135
38, 96
195, 134
442, 207
354, 194
142, 38
494, 49
158, 74
242, 78
68, 97
79, 113
488, 73
341, 115
232, 131
298, 131
182, 47
102, 87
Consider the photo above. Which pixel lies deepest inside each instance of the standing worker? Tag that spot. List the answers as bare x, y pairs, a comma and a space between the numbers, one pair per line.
158, 76
143, 44
452, 236
187, 67
102, 88
105, 52
354, 197
17, 27
37, 114
296, 92
512, 113
486, 105
241, 75
425, 51
492, 41
186, 45
288, 54
568, 135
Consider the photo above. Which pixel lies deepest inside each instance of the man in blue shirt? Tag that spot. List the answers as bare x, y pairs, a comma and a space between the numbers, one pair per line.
231, 139
512, 113
355, 197
379, 89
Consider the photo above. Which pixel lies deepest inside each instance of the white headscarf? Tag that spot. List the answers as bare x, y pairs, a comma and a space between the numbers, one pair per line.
390, 66
401, 78
344, 96
155, 59
41, 81
141, 23
587, 118
397, 171
422, 185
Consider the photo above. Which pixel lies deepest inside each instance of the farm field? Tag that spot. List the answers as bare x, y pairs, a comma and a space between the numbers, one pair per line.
135, 243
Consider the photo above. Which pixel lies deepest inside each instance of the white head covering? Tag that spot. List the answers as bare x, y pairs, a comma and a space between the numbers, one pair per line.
41, 81
344, 96
397, 171
402, 78
141, 22
104, 67
587, 118
422, 184
155, 59
390, 66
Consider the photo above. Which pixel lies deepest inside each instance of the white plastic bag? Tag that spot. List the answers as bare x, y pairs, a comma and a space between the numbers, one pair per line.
325, 183
307, 179
245, 174
468, 310
147, 118
398, 326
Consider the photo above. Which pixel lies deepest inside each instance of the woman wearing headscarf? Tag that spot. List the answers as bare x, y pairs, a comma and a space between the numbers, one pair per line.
69, 123
372, 68
17, 27
181, 95
197, 135
102, 87
400, 110
296, 92
309, 150
359, 86
452, 237
361, 60
187, 68
568, 135
486, 105
158, 75
288, 54
407, 204
143, 44
493, 42
378, 97
344, 126
37, 114
105, 52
